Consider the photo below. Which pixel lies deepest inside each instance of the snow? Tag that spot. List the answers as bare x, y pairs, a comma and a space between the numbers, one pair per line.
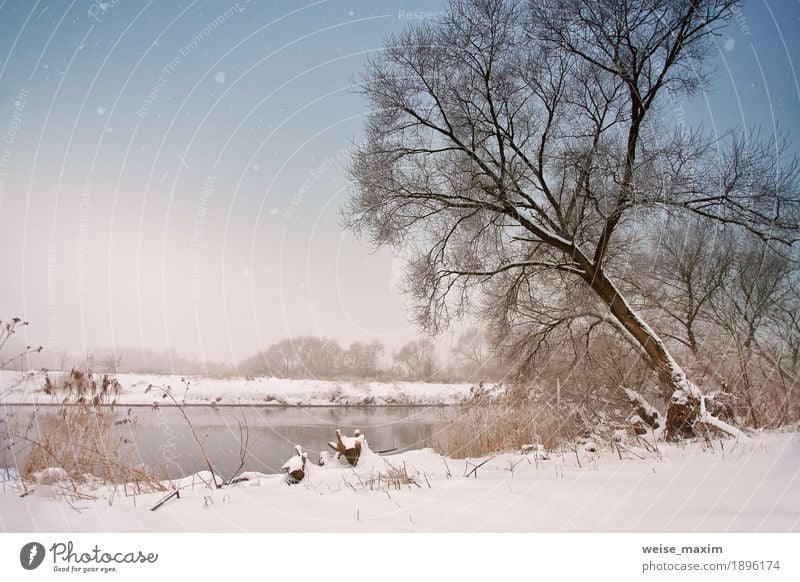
350, 442
728, 487
199, 480
295, 463
634, 396
50, 475
275, 391
712, 420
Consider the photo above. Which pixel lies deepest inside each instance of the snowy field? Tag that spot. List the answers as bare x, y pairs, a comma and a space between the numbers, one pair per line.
727, 487
16, 388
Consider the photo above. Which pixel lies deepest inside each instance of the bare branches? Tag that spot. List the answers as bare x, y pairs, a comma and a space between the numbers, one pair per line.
7, 330
517, 152
751, 184
167, 392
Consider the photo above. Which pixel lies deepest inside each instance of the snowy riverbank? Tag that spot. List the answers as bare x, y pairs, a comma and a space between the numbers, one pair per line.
16, 388
730, 487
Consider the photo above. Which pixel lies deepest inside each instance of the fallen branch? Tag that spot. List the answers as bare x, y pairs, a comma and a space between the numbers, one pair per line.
711, 420
645, 413
474, 469
176, 494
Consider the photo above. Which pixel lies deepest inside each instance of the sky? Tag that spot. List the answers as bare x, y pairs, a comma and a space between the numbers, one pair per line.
171, 172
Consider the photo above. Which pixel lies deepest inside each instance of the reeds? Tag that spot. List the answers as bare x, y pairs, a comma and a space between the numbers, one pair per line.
84, 442
507, 421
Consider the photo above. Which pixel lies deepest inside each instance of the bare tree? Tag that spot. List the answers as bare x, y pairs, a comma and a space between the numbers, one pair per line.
513, 147
473, 349
780, 349
691, 265
472, 346
60, 358
746, 309
297, 357
112, 360
364, 359
282, 360
89, 360
724, 298
319, 357
418, 359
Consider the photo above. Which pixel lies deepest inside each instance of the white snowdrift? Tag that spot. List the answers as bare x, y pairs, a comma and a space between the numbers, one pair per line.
734, 486
28, 390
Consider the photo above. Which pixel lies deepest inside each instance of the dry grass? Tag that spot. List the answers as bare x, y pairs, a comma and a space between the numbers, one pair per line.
83, 443
83, 439
393, 478
486, 425
83, 388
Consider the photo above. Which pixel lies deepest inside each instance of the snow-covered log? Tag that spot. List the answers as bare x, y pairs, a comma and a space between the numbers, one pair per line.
686, 409
295, 467
348, 447
646, 415
711, 420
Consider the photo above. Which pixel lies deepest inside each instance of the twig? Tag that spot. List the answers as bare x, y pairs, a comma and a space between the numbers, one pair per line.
176, 494
449, 474
167, 393
244, 445
476, 467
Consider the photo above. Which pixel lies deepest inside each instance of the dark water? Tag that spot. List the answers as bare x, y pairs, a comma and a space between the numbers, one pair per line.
162, 440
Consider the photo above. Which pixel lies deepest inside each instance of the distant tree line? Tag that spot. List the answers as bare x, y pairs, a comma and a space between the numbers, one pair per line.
417, 360
302, 357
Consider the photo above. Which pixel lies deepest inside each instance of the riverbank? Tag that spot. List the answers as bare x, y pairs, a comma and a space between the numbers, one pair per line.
689, 487
17, 388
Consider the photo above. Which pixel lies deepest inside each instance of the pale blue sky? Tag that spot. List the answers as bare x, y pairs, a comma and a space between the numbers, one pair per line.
171, 172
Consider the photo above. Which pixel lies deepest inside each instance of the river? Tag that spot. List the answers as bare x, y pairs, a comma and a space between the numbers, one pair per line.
162, 440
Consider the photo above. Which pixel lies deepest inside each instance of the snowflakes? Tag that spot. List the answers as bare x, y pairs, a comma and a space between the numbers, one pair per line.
220, 77
729, 45
101, 110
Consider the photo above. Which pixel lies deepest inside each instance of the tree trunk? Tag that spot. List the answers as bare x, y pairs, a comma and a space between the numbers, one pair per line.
685, 401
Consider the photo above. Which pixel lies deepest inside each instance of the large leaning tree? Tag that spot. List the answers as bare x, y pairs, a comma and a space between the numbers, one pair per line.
520, 153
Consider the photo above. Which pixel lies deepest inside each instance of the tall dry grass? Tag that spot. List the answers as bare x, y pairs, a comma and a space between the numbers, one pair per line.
84, 439
507, 420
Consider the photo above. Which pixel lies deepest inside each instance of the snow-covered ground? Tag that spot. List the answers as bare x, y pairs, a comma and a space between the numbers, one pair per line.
730, 487
17, 388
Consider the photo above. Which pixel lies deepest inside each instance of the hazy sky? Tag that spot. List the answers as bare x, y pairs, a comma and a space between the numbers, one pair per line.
171, 172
